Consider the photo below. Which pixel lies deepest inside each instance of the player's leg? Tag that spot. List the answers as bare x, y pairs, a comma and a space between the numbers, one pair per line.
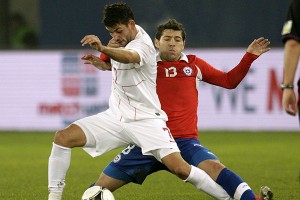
230, 181
155, 139
130, 166
198, 155
194, 175
60, 158
110, 183
89, 133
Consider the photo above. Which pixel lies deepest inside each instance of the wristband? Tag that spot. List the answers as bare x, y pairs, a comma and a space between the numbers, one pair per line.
286, 86
104, 57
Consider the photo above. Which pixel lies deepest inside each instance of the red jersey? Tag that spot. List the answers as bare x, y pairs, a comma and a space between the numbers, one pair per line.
178, 92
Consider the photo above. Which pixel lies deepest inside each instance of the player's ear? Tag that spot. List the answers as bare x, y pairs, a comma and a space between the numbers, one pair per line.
156, 43
131, 23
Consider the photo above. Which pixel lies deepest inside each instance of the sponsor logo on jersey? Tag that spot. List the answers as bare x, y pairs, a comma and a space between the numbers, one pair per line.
188, 71
117, 158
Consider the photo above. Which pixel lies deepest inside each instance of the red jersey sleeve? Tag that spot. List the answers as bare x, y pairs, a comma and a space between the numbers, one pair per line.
229, 80
104, 57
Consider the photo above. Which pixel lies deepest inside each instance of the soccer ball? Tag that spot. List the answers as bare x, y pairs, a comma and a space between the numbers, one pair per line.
97, 193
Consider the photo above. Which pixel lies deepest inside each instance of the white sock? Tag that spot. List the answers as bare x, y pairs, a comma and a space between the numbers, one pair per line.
59, 162
55, 196
202, 181
240, 190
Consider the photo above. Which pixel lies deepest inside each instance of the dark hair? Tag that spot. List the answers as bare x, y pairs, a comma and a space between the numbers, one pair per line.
117, 13
170, 24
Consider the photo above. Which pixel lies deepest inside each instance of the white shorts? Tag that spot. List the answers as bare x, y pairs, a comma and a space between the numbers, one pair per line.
104, 133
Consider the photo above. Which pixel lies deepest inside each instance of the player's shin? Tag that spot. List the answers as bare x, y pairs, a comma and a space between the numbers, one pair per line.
202, 181
59, 162
234, 185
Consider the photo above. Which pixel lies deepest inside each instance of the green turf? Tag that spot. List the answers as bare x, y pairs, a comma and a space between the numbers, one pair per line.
260, 158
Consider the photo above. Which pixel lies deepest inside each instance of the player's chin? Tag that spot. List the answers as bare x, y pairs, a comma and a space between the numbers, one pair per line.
173, 57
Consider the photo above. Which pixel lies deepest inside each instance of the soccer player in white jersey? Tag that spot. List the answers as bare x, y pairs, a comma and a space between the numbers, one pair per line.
134, 115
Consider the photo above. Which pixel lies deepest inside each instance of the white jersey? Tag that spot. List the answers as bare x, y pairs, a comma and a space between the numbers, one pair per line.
134, 94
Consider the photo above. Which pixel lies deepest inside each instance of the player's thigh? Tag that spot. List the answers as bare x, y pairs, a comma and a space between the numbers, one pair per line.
193, 152
103, 133
132, 166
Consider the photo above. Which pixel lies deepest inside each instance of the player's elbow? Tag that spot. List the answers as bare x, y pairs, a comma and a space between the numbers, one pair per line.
232, 84
232, 87
292, 43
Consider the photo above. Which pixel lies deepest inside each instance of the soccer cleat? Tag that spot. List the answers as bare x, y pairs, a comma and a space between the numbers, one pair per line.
265, 193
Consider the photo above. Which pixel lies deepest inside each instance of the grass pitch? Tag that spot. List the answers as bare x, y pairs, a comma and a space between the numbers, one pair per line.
260, 158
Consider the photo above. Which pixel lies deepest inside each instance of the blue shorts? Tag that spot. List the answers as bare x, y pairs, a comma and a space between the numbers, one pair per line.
132, 166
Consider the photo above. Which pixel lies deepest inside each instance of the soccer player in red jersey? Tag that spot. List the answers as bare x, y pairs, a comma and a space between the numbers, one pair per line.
177, 79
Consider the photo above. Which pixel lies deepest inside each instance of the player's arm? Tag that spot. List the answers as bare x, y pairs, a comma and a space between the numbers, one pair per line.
228, 80
121, 55
291, 38
111, 43
291, 58
231, 79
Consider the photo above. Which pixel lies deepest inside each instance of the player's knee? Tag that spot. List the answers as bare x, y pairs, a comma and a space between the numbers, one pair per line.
216, 168
181, 171
212, 168
61, 138
68, 137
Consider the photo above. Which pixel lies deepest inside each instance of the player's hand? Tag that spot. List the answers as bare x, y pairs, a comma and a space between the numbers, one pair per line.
289, 102
96, 62
93, 41
259, 46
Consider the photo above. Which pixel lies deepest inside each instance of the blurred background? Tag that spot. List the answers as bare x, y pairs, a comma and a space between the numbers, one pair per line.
44, 85
209, 23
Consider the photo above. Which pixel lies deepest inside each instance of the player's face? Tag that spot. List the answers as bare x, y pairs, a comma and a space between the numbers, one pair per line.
170, 45
122, 34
